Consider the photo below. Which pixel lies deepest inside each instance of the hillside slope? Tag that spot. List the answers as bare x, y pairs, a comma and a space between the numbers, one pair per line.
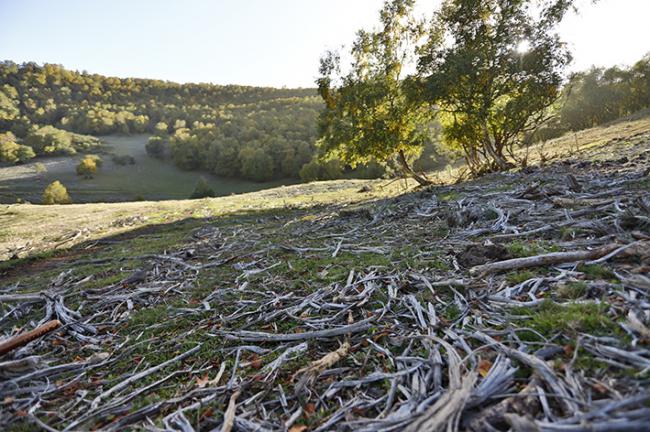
516, 299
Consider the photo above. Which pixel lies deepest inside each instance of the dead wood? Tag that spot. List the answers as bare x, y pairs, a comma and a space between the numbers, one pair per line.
541, 260
23, 339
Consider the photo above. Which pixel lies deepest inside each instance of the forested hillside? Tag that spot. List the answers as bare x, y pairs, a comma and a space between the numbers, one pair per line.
97, 105
235, 131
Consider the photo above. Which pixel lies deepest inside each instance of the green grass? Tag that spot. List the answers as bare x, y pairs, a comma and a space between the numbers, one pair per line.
551, 318
572, 290
515, 278
148, 179
596, 271
524, 249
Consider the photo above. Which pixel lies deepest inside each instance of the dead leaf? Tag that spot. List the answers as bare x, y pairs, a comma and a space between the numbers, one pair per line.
202, 381
256, 361
484, 367
310, 409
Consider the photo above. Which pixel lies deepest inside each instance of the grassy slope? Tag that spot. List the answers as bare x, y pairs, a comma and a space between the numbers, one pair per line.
107, 242
29, 229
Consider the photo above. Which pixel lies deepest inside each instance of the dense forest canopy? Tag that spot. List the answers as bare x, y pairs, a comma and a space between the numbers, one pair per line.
251, 132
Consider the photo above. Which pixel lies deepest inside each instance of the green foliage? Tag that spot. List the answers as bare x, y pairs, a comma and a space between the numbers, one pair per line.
202, 190
596, 271
599, 95
9, 110
40, 168
515, 278
56, 193
572, 290
48, 140
98, 160
256, 164
12, 152
87, 167
551, 318
369, 114
529, 248
214, 123
321, 170
123, 160
490, 94
156, 147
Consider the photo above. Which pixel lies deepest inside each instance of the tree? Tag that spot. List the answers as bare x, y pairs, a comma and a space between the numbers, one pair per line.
11, 151
161, 129
24, 153
8, 106
87, 167
493, 67
369, 114
202, 190
256, 165
50, 140
56, 193
156, 147
319, 169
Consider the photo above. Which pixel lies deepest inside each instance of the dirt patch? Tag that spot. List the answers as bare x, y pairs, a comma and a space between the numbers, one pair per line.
477, 254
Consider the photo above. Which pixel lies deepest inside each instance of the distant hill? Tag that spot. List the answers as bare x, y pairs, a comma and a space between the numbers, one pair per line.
96, 104
236, 131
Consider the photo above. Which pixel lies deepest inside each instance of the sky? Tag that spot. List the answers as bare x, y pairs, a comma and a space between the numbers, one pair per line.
253, 42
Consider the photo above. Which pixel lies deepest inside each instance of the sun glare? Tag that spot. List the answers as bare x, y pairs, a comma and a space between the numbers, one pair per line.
523, 46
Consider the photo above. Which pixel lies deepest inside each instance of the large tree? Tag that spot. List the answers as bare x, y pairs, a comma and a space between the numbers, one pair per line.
368, 113
492, 68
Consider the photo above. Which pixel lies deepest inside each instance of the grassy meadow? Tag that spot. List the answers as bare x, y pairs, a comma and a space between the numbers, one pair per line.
149, 179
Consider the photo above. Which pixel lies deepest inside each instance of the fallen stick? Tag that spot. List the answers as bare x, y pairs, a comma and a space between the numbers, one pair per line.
540, 366
541, 260
229, 415
524, 402
309, 374
21, 297
253, 336
133, 378
25, 338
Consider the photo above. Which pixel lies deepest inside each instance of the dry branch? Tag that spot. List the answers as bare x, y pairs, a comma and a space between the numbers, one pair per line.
229, 415
25, 338
540, 260
252, 336
311, 372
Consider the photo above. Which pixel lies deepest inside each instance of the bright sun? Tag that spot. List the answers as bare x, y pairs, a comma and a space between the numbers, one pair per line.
523, 46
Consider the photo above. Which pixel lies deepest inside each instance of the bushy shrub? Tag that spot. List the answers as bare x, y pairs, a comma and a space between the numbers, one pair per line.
318, 170
156, 147
49, 140
202, 190
87, 167
123, 160
11, 151
56, 193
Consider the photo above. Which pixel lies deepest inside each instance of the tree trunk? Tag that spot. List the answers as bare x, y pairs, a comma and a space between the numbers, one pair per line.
422, 180
490, 147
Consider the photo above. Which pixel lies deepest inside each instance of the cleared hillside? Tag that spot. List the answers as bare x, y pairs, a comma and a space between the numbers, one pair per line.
516, 299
